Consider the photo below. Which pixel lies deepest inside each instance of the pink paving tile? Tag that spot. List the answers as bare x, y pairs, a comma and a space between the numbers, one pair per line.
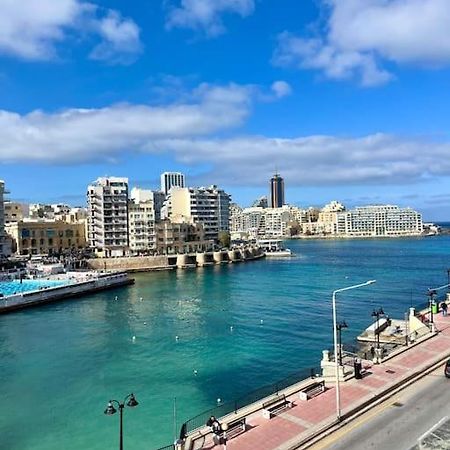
388, 372
352, 395
415, 357
437, 345
266, 436
316, 409
373, 382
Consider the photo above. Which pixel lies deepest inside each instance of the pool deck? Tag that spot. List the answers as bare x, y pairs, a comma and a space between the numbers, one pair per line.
78, 285
309, 421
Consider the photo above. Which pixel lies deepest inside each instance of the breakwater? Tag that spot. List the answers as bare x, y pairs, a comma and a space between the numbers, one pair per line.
180, 261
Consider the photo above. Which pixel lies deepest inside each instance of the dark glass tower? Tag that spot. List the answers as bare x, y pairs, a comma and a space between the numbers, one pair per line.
276, 191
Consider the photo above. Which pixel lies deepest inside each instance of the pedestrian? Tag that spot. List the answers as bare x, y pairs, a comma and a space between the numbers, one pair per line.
444, 308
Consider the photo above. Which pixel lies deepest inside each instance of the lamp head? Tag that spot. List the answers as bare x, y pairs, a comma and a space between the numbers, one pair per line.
110, 410
132, 402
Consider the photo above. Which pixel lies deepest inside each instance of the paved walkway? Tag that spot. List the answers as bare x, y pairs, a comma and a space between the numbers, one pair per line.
307, 417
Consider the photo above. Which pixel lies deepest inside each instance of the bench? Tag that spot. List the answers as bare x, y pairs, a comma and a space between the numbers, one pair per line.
312, 390
275, 405
236, 427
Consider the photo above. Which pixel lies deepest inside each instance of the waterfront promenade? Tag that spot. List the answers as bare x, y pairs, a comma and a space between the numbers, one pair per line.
306, 421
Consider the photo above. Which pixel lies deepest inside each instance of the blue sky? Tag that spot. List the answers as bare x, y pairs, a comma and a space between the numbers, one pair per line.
347, 99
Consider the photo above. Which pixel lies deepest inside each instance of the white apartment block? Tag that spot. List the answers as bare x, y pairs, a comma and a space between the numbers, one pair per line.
141, 220
258, 222
107, 221
209, 207
379, 220
170, 180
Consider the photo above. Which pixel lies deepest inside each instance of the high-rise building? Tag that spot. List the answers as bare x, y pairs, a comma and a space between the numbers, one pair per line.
141, 220
170, 180
208, 206
276, 191
108, 216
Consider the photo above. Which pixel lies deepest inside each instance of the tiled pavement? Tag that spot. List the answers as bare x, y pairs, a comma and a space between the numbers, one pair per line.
306, 417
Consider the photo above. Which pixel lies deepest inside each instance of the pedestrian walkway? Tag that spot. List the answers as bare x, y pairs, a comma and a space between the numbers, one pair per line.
307, 418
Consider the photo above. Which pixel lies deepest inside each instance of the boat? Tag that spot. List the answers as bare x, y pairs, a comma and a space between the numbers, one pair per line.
274, 248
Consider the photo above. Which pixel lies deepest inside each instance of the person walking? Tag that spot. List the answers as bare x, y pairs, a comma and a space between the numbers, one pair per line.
444, 308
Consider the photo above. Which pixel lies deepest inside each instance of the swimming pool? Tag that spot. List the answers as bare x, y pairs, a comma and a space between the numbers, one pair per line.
16, 287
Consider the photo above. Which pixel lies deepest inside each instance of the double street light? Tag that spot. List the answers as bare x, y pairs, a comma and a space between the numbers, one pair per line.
340, 326
335, 338
378, 313
110, 410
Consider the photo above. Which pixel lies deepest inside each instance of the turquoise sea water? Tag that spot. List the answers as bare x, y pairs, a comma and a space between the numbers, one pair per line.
60, 363
17, 287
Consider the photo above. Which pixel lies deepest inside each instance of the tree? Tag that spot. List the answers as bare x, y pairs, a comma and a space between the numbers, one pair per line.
224, 238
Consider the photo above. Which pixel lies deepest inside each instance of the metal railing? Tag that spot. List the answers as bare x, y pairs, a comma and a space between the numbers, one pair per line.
223, 409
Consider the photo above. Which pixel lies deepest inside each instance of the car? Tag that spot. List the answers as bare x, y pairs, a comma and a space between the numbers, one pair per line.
447, 369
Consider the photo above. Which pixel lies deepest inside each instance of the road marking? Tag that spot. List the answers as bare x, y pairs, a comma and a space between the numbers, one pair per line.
432, 429
328, 441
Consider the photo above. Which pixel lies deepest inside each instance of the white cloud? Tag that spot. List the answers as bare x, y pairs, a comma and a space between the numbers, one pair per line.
360, 34
121, 41
316, 160
81, 135
281, 89
32, 29
206, 15
182, 129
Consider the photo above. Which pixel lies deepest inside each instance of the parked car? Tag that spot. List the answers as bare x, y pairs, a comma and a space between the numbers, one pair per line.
447, 369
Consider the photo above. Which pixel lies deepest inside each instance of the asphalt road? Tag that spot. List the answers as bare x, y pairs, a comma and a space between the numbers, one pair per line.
420, 411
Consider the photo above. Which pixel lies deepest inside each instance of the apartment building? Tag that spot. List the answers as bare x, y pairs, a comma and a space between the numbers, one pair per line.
107, 219
141, 220
173, 238
258, 222
209, 207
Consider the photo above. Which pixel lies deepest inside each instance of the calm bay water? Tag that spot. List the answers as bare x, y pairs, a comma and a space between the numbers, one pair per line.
59, 364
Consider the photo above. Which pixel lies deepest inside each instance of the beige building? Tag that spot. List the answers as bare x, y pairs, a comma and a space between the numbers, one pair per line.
15, 211
209, 207
45, 237
2, 219
141, 221
173, 238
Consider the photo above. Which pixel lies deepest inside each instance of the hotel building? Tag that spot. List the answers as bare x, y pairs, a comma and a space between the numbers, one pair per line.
107, 219
2, 219
379, 220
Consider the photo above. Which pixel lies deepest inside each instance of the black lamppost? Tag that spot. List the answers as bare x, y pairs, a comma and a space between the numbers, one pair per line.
431, 294
378, 313
110, 410
339, 327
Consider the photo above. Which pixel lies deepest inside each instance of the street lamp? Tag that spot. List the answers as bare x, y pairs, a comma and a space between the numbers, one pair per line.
110, 410
340, 326
431, 294
338, 399
378, 313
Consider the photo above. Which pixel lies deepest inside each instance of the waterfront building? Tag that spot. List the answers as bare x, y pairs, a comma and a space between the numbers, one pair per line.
141, 220
170, 180
107, 221
255, 223
45, 236
2, 219
379, 220
209, 207
183, 237
276, 191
